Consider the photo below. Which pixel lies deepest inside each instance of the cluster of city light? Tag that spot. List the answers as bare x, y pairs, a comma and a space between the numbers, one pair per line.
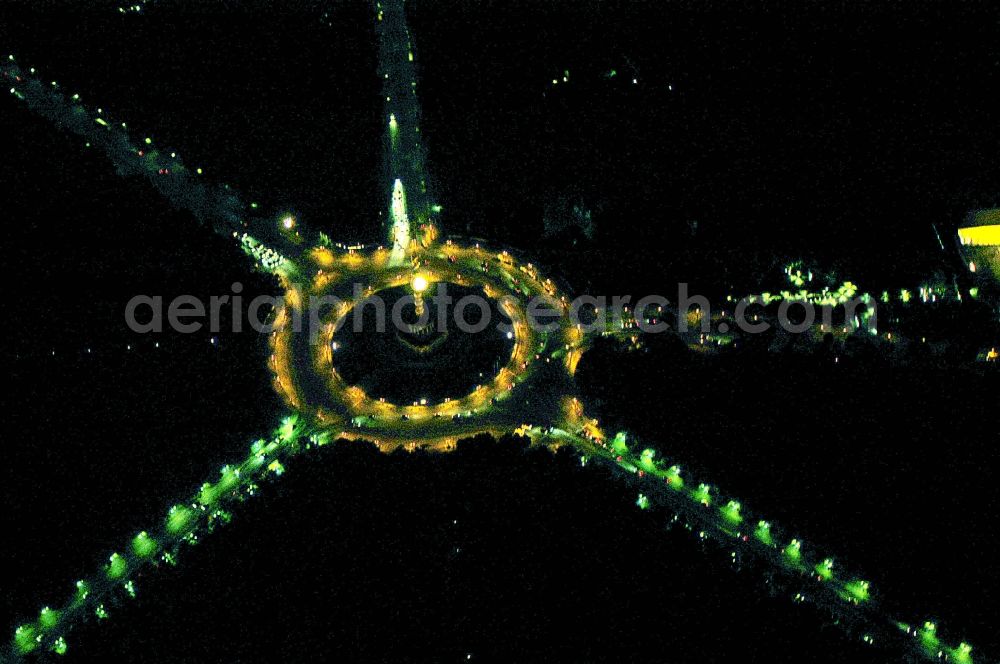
927, 293
265, 257
826, 296
134, 8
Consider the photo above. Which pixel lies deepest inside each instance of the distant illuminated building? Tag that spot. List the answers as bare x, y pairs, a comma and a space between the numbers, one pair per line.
979, 242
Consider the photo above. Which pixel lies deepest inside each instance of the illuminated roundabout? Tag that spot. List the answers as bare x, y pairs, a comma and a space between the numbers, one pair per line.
533, 390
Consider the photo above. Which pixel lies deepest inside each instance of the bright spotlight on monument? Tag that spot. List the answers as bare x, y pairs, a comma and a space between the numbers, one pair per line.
419, 284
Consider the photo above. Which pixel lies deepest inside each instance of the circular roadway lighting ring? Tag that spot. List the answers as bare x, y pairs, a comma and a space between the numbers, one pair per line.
359, 404
507, 283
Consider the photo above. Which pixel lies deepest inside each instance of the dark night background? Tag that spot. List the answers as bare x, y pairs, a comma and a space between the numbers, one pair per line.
831, 132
